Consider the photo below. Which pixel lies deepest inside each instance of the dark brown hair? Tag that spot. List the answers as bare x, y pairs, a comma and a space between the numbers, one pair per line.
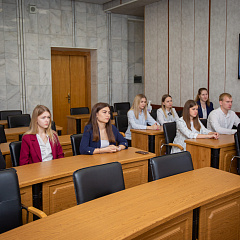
93, 121
199, 93
186, 115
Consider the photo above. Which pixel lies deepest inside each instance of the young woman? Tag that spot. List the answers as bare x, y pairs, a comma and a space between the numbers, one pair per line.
138, 117
40, 143
100, 136
166, 113
204, 104
189, 126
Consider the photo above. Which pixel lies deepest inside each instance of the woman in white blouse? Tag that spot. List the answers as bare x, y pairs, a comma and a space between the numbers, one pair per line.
166, 113
189, 126
138, 117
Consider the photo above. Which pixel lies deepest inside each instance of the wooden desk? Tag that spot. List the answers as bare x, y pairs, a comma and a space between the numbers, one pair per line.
211, 152
148, 140
161, 209
56, 176
4, 123
64, 141
76, 123
12, 134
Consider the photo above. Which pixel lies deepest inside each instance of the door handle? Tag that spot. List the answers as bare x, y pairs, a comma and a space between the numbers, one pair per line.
69, 98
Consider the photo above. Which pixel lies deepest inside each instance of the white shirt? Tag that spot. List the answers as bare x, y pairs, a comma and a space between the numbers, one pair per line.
184, 133
219, 122
140, 123
104, 143
161, 118
204, 112
46, 150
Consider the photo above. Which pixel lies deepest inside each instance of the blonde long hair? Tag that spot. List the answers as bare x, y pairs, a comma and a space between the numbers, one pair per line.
163, 106
33, 128
135, 106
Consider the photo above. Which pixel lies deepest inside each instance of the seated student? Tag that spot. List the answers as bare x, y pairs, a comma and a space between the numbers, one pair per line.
189, 126
223, 118
204, 104
138, 117
40, 143
166, 113
2, 161
100, 136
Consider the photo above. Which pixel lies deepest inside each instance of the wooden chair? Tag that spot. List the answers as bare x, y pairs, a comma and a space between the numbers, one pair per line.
10, 202
172, 164
97, 181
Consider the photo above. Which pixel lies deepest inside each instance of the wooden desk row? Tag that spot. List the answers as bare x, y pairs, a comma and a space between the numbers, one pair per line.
161, 209
64, 141
56, 176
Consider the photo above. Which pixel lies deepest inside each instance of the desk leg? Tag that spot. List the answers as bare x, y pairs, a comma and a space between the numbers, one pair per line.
215, 158
78, 125
151, 143
26, 199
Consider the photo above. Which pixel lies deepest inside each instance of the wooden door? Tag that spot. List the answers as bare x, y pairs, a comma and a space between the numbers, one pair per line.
71, 84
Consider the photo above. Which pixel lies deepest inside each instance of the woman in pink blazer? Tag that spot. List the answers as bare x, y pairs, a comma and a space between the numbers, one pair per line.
40, 143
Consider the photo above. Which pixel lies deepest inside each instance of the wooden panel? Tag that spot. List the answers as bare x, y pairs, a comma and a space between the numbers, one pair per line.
12, 138
225, 157
60, 90
178, 228
201, 156
8, 161
159, 140
84, 123
58, 195
67, 150
26, 199
140, 141
135, 173
71, 126
220, 219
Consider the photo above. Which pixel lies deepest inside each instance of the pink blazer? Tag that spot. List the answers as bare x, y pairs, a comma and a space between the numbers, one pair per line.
31, 153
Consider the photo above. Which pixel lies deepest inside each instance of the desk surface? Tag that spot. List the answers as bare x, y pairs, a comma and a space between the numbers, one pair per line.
129, 213
64, 140
148, 132
59, 168
223, 141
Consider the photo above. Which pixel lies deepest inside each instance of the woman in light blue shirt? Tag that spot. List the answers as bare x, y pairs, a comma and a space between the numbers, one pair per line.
138, 117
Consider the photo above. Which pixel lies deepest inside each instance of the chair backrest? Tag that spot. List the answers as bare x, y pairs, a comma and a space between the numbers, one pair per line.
169, 134
97, 181
172, 164
121, 123
111, 111
237, 144
5, 114
53, 126
75, 141
179, 113
79, 110
2, 161
122, 112
15, 148
22, 120
3, 138
154, 114
121, 105
204, 122
10, 201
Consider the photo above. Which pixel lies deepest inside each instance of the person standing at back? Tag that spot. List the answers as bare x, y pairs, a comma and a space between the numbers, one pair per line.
223, 118
204, 104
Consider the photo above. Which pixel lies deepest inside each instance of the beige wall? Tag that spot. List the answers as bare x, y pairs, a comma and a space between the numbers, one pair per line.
177, 34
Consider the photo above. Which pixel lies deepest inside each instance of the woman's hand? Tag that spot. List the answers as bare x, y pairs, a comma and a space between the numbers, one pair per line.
213, 135
110, 149
155, 126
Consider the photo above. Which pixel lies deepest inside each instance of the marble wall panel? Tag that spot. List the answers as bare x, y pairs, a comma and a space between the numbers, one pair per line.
45, 92
43, 4
102, 92
117, 72
92, 43
130, 31
1, 17
217, 48
55, 4
117, 50
66, 5
10, 17
55, 21
116, 93
125, 51
67, 26
45, 72
124, 28
175, 50
124, 73
116, 26
31, 21
2, 72
81, 24
11, 45
3, 97
102, 72
101, 21
102, 49
201, 45
91, 25
138, 52
13, 97
94, 94
43, 21
138, 31
44, 47
124, 87
81, 7
12, 72
33, 97
131, 52
187, 57
31, 46
32, 72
